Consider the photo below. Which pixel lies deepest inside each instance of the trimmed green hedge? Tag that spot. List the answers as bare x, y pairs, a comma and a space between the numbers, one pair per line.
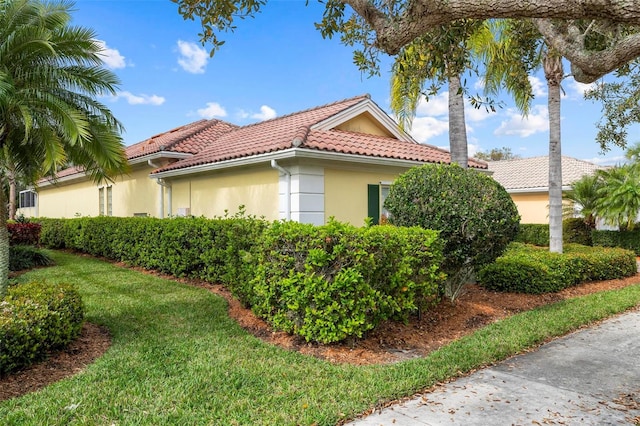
574, 230
629, 240
36, 318
324, 283
530, 269
336, 281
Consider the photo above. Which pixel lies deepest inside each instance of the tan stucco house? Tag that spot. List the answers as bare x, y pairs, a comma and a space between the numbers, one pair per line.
527, 181
335, 160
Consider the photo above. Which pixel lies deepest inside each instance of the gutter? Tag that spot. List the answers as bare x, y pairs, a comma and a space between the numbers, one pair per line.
287, 173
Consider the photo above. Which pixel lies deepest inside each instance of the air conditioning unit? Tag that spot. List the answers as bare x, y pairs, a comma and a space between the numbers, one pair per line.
184, 211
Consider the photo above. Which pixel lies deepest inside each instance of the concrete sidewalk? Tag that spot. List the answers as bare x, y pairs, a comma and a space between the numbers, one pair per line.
591, 377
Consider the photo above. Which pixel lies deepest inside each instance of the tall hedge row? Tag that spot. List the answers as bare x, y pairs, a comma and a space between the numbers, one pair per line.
574, 231
324, 283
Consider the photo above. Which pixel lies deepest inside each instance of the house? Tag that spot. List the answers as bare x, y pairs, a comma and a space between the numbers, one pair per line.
527, 181
335, 160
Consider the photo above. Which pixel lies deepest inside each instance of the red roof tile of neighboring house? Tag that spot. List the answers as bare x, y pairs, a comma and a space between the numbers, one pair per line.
279, 133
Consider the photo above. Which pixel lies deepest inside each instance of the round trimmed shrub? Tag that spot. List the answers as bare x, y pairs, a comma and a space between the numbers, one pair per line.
474, 214
35, 318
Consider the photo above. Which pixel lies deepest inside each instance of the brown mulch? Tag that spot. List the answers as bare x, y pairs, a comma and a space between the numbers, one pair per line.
390, 342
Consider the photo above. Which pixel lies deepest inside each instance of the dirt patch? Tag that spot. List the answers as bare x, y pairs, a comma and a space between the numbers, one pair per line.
390, 342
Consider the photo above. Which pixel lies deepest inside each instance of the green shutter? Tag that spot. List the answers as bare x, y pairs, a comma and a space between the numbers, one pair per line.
373, 203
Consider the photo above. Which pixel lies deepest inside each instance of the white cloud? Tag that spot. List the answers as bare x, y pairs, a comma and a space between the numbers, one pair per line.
579, 88
425, 128
193, 58
140, 99
476, 114
538, 87
213, 109
266, 113
537, 121
608, 161
111, 57
437, 106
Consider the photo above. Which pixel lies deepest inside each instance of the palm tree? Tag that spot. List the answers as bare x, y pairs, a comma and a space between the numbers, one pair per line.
619, 201
584, 196
50, 75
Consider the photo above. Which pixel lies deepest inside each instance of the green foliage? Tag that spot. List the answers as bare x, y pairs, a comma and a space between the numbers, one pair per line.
534, 270
27, 257
629, 240
619, 195
533, 233
325, 283
25, 233
35, 318
496, 154
574, 230
474, 214
584, 196
337, 281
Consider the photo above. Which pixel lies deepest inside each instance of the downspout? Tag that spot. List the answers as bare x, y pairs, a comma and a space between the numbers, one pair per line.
161, 187
287, 173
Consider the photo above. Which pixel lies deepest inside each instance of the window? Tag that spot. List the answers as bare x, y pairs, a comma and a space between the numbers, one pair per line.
101, 201
376, 194
109, 201
27, 199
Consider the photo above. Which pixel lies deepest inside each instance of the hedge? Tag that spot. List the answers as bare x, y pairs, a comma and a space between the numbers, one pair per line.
629, 240
23, 233
336, 281
530, 269
574, 230
343, 282
36, 318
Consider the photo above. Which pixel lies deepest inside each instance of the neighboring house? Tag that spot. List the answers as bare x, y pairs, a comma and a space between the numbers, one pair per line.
527, 181
335, 160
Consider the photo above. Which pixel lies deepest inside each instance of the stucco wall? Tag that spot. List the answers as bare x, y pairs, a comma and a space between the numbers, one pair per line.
364, 123
211, 193
68, 200
132, 193
532, 207
346, 192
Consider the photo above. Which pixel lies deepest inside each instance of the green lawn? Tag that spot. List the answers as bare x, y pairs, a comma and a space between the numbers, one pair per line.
177, 359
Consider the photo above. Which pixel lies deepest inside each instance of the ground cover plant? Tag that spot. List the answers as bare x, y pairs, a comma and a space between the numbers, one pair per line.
177, 358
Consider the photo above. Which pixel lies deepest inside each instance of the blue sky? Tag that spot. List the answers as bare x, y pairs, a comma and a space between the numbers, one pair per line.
277, 64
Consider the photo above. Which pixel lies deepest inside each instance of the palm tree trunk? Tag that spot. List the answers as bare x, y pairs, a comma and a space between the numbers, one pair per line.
457, 126
11, 177
4, 247
554, 73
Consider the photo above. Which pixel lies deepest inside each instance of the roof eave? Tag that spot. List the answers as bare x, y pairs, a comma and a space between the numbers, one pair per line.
294, 153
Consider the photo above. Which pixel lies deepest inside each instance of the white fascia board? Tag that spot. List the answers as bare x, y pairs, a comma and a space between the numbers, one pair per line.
291, 153
532, 190
372, 108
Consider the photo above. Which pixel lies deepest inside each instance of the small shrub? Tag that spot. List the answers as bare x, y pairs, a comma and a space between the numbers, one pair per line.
24, 233
36, 318
27, 257
475, 215
534, 270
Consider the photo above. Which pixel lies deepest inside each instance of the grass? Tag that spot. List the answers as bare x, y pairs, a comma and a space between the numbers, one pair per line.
177, 359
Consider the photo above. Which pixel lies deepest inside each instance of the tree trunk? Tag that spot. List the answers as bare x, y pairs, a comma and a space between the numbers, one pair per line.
457, 126
554, 73
11, 177
4, 247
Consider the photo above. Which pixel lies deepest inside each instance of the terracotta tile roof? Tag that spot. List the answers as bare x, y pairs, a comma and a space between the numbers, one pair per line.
379, 146
533, 172
181, 139
266, 136
279, 134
